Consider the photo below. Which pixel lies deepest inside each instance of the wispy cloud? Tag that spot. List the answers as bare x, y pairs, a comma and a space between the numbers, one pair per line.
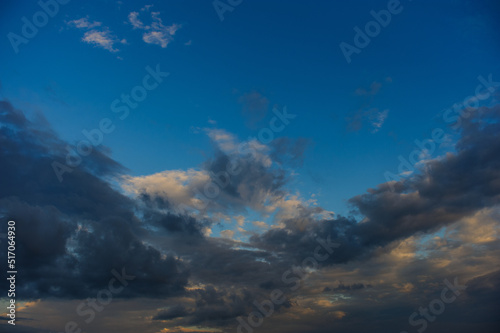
84, 23
155, 33
367, 115
97, 34
134, 20
373, 90
103, 38
379, 120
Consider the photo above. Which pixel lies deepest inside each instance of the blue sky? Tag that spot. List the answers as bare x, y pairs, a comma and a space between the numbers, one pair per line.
288, 59
352, 119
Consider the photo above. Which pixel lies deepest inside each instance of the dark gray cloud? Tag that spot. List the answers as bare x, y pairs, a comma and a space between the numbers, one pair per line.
253, 185
76, 231
446, 190
173, 312
348, 287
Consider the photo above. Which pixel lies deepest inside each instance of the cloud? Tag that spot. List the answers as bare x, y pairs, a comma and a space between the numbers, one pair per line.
134, 20
240, 219
395, 251
343, 287
254, 107
460, 192
226, 141
172, 313
258, 185
404, 287
227, 233
366, 114
180, 329
260, 224
96, 34
155, 33
445, 191
371, 117
84, 23
373, 90
102, 38
71, 241
160, 37
289, 151
176, 187
379, 121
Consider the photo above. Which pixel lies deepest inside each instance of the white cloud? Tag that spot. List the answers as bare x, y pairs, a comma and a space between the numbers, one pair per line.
157, 37
228, 143
176, 186
134, 20
84, 23
102, 38
97, 34
225, 140
156, 33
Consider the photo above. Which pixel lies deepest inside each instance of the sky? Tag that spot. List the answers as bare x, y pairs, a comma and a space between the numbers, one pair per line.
250, 166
